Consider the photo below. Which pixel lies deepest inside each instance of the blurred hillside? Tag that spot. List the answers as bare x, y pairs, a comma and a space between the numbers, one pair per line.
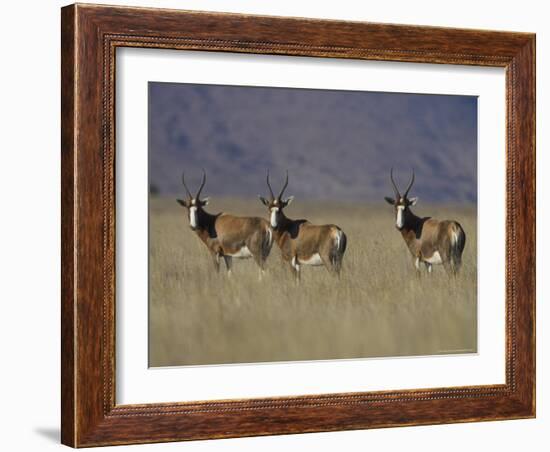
335, 144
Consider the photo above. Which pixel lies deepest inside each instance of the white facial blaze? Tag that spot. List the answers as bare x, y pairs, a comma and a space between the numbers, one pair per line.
193, 216
274, 211
399, 220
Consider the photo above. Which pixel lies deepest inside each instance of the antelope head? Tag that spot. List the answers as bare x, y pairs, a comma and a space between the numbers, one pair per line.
401, 203
194, 204
276, 204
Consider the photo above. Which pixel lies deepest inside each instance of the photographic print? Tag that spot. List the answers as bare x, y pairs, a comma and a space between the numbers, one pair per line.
294, 224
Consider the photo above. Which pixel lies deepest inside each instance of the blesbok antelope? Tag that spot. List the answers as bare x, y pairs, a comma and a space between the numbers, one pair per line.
430, 241
228, 236
301, 242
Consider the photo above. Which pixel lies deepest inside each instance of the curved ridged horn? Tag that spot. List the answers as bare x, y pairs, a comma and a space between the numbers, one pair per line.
410, 185
202, 184
269, 186
395, 189
284, 186
186, 189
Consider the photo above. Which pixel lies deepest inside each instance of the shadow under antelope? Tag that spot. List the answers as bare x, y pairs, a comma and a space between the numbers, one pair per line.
303, 243
429, 241
228, 236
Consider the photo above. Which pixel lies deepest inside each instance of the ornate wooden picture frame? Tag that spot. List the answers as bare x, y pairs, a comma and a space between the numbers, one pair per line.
90, 37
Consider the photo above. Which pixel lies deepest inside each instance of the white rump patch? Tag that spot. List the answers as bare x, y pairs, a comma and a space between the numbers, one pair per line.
313, 260
274, 211
338, 239
193, 217
243, 253
454, 237
435, 259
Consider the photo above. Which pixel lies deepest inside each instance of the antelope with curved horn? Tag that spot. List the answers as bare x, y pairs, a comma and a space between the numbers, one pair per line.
301, 242
228, 236
430, 241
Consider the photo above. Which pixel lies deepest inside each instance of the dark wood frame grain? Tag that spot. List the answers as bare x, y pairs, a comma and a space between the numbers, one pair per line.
90, 35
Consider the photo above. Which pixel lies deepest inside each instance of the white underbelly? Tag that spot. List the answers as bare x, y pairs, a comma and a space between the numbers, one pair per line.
315, 259
243, 253
434, 259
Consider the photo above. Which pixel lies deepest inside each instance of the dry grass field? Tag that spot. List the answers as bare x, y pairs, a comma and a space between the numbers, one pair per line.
377, 308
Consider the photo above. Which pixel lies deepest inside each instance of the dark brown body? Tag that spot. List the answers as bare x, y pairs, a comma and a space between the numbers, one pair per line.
226, 235
303, 243
430, 241
229, 237
433, 242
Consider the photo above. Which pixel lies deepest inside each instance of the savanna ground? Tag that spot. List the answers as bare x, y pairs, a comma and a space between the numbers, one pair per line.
377, 308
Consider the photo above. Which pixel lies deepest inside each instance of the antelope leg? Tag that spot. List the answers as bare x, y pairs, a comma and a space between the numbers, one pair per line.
228, 263
417, 266
216, 261
295, 268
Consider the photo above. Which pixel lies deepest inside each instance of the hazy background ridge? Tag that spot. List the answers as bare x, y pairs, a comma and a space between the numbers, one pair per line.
336, 144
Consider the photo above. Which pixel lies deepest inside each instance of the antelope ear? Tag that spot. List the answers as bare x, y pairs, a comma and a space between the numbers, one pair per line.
389, 200
412, 201
265, 202
288, 200
181, 202
205, 201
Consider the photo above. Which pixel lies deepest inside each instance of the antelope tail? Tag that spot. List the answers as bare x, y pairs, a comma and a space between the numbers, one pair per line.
458, 241
340, 243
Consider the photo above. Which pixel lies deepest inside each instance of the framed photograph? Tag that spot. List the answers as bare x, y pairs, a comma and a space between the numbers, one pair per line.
281, 225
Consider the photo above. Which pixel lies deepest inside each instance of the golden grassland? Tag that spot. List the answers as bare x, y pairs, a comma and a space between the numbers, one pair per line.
377, 308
